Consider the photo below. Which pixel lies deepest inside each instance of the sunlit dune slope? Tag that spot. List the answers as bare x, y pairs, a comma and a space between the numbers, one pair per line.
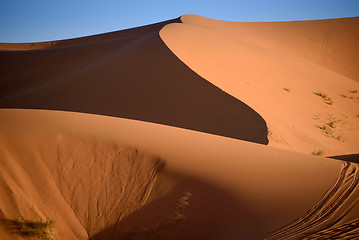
130, 74
153, 132
276, 68
101, 177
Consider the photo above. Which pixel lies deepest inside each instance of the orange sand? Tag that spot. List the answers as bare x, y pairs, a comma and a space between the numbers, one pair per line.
255, 62
134, 141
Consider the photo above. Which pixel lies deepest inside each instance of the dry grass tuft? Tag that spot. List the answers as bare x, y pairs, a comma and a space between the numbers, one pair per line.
326, 99
328, 129
175, 218
37, 227
330, 126
317, 153
345, 96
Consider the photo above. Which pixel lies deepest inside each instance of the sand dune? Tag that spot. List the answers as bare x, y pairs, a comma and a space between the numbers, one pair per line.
131, 75
128, 33
276, 68
329, 210
160, 132
237, 187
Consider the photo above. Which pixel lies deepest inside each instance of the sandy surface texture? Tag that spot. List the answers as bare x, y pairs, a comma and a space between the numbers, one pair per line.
130, 74
104, 177
301, 77
191, 128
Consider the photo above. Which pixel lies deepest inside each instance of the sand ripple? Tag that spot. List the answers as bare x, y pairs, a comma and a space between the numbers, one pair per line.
324, 217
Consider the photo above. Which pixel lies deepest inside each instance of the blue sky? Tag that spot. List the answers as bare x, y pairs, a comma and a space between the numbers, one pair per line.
35, 20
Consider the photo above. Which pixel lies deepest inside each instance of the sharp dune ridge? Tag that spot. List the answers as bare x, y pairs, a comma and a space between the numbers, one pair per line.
134, 66
276, 69
191, 128
128, 33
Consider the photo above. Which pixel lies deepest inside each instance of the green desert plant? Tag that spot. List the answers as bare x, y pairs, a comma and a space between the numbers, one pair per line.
173, 219
345, 96
317, 153
316, 116
330, 126
37, 227
184, 201
328, 129
326, 99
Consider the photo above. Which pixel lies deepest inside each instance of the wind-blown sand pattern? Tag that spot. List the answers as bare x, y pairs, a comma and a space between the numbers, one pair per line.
191, 128
122, 187
331, 209
102, 183
346, 231
276, 68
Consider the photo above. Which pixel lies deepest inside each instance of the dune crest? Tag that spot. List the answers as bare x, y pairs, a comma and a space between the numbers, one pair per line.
128, 33
245, 179
130, 74
279, 69
87, 186
161, 132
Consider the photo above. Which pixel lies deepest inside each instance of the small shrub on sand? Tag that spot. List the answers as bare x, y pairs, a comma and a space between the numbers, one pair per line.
175, 218
37, 227
353, 91
345, 96
316, 116
172, 221
330, 125
317, 153
328, 129
326, 99
286, 89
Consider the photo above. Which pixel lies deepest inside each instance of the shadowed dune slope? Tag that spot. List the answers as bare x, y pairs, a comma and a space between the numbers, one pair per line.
83, 184
130, 74
103, 177
302, 77
349, 158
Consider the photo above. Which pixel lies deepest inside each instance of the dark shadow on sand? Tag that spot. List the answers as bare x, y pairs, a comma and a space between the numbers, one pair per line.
129, 74
212, 213
354, 158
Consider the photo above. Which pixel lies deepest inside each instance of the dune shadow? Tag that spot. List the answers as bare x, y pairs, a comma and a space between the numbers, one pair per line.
354, 158
211, 213
129, 74
330, 210
11, 226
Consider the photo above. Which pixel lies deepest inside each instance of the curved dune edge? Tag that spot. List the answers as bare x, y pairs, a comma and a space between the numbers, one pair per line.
129, 74
348, 158
245, 185
127, 33
83, 184
329, 211
275, 68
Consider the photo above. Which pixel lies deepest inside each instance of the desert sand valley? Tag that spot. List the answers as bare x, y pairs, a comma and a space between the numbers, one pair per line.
192, 128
